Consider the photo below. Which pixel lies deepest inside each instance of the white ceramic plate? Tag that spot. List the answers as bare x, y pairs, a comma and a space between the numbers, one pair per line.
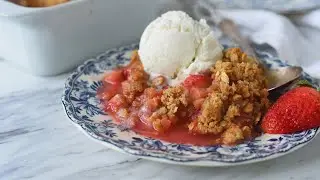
84, 109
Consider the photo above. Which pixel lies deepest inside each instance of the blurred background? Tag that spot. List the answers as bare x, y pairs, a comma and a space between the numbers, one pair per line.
290, 29
42, 42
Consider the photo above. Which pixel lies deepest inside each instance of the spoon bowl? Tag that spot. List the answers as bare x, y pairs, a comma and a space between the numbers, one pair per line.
282, 76
276, 77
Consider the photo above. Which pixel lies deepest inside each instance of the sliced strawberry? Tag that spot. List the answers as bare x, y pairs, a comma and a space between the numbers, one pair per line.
165, 123
199, 81
109, 91
152, 92
157, 125
129, 122
116, 103
144, 118
152, 104
197, 93
115, 77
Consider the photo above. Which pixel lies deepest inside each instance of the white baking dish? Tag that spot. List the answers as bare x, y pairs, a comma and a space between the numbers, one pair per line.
52, 40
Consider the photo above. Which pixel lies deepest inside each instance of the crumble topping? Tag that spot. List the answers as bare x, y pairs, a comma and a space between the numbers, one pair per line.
172, 98
238, 91
227, 101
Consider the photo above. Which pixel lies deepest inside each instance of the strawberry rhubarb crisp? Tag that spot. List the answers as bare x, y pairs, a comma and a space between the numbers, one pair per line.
222, 105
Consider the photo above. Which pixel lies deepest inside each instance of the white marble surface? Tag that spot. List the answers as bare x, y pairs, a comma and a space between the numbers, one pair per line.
37, 141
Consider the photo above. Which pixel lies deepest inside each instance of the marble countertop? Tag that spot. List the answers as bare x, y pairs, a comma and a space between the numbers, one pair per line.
37, 141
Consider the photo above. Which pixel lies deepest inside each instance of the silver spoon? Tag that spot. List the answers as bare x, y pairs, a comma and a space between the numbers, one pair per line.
277, 78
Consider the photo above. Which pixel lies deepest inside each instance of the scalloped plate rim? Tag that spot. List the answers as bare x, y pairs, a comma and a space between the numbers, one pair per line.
206, 163
188, 163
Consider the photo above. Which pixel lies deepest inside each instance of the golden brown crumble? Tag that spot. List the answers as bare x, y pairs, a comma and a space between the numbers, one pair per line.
136, 78
132, 88
228, 101
233, 134
166, 108
238, 91
172, 98
137, 74
211, 114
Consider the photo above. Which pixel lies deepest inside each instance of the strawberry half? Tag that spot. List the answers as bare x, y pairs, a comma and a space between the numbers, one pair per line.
296, 110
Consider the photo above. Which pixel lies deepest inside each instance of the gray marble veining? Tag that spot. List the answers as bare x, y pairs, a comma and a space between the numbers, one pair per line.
37, 141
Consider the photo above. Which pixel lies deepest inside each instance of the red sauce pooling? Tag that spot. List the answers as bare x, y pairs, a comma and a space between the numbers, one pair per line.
153, 109
177, 134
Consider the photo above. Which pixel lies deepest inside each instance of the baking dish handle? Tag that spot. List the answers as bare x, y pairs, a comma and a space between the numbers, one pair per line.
8, 9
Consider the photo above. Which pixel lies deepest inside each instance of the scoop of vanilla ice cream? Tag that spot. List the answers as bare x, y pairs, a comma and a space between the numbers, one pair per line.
175, 45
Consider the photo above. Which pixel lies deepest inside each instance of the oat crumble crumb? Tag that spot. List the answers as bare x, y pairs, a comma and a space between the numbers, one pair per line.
172, 98
239, 89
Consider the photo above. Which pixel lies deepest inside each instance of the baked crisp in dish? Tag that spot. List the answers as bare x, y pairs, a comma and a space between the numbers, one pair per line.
38, 3
222, 105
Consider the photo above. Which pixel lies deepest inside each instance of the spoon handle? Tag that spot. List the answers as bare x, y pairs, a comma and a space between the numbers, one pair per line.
229, 28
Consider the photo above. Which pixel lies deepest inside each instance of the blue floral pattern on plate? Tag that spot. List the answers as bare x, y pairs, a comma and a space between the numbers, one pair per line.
84, 108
